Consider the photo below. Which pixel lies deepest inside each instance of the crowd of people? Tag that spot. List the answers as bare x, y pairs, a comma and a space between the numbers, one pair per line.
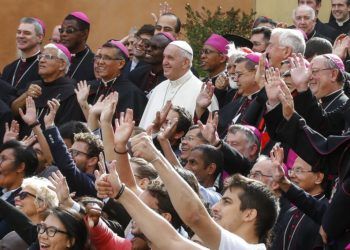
126, 148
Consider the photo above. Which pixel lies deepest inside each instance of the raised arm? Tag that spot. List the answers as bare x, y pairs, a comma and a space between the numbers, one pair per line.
185, 200
151, 224
82, 92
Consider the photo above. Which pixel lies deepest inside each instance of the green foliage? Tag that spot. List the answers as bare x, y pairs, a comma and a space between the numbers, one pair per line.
201, 24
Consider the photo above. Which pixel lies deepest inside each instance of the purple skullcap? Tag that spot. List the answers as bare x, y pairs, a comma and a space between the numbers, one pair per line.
81, 16
217, 42
255, 131
336, 60
64, 49
254, 57
168, 35
42, 24
120, 46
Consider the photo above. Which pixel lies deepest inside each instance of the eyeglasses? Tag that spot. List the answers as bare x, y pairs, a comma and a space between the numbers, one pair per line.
208, 51
47, 57
106, 58
315, 71
75, 152
297, 171
239, 74
142, 41
50, 231
68, 30
22, 195
258, 175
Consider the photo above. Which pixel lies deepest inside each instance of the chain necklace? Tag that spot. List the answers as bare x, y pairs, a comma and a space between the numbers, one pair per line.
335, 98
87, 52
25, 72
166, 92
99, 88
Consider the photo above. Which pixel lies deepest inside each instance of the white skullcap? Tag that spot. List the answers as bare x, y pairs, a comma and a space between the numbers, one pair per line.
183, 45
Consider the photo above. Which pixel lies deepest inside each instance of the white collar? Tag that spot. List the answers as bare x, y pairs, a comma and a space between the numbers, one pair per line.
182, 79
341, 23
6, 194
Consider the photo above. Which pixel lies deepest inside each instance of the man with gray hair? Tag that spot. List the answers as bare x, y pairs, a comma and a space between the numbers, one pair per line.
304, 18
54, 62
181, 88
29, 36
283, 43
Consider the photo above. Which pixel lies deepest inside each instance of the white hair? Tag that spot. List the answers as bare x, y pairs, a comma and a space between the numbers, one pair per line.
290, 38
305, 8
42, 191
60, 55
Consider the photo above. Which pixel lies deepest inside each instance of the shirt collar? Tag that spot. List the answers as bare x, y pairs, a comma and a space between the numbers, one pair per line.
6, 194
331, 96
341, 23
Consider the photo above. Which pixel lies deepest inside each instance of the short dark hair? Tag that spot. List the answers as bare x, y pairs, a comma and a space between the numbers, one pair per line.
147, 29
317, 46
266, 31
210, 155
22, 154
249, 65
256, 195
158, 191
81, 24
185, 119
200, 136
74, 225
264, 19
119, 53
317, 1
189, 177
95, 145
68, 129
145, 169
177, 27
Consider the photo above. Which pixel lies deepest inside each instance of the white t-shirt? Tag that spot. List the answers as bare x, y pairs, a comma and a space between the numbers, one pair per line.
230, 241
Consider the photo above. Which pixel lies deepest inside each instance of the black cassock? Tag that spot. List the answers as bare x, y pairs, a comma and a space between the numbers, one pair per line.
82, 65
130, 96
63, 90
20, 72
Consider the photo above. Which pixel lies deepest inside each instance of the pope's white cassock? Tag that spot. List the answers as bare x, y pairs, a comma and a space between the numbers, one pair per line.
182, 92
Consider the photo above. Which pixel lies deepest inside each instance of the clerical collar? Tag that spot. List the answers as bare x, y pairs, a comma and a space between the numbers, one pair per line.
342, 23
331, 96
217, 75
80, 53
312, 34
31, 58
106, 83
187, 76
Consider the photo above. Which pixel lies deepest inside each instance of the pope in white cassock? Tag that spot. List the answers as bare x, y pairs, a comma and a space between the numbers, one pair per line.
182, 87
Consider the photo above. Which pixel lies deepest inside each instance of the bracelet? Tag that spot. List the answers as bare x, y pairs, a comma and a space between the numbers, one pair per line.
120, 153
36, 123
121, 191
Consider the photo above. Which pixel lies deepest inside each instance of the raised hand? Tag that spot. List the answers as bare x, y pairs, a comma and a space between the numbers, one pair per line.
49, 119
287, 101
34, 90
260, 72
221, 82
123, 128
93, 214
300, 72
143, 147
272, 85
161, 117
341, 46
206, 94
107, 185
12, 132
82, 91
29, 140
169, 130
163, 9
110, 104
278, 175
30, 116
209, 130
61, 188
97, 108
